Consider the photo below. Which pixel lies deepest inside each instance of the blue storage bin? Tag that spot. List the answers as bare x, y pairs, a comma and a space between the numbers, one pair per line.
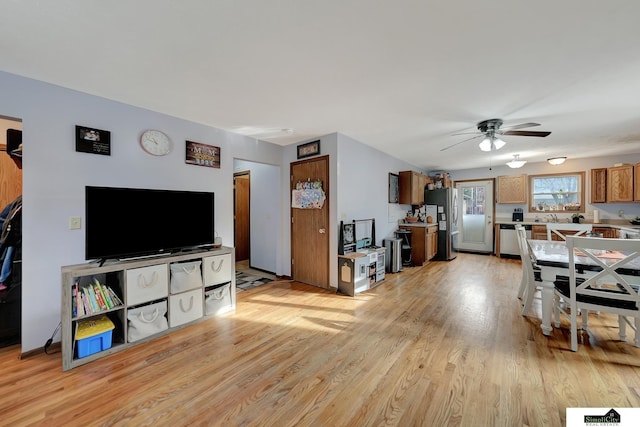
94, 335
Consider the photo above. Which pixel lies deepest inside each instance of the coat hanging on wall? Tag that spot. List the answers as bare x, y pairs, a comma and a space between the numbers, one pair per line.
308, 195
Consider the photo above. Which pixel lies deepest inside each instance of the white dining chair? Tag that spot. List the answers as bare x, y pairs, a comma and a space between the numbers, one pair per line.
606, 290
530, 282
557, 228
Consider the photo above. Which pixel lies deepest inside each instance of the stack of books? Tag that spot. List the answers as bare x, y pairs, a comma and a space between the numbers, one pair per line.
93, 298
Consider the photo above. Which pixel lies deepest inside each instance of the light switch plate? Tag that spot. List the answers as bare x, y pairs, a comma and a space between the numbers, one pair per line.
75, 223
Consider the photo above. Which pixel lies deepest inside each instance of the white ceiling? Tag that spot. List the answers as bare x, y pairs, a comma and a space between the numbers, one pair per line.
399, 76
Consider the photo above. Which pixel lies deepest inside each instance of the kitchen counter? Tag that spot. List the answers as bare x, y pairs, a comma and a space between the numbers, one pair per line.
417, 224
618, 226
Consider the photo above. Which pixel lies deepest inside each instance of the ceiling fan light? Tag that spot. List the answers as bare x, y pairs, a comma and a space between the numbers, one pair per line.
516, 162
498, 143
556, 160
485, 145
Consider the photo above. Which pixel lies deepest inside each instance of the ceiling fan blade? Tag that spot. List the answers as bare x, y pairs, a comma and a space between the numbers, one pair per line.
526, 133
467, 133
520, 126
458, 143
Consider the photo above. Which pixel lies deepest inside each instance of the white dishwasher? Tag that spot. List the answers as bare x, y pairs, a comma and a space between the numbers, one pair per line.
509, 239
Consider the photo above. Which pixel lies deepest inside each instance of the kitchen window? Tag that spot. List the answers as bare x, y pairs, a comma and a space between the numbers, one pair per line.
562, 192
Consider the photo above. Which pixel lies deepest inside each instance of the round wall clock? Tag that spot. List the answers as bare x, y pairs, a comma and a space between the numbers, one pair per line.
155, 142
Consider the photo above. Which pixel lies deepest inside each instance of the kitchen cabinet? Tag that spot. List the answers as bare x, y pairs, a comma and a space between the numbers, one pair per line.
607, 232
424, 242
411, 186
636, 182
599, 185
539, 232
620, 184
512, 189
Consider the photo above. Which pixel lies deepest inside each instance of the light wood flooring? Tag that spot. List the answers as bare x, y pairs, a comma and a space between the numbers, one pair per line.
434, 346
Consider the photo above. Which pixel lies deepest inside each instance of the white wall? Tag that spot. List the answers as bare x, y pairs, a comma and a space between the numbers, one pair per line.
265, 208
363, 184
54, 177
608, 211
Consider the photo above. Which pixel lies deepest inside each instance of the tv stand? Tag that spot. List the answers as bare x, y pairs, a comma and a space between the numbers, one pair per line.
142, 282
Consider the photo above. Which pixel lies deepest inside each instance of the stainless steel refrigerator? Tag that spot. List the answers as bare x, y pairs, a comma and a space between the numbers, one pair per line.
446, 200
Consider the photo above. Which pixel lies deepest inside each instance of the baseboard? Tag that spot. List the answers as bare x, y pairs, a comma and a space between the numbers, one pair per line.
56, 347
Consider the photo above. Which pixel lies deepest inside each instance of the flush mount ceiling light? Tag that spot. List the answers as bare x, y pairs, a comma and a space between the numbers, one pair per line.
491, 143
555, 161
516, 162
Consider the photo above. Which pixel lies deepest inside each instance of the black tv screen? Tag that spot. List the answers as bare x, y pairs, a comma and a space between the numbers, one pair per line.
130, 222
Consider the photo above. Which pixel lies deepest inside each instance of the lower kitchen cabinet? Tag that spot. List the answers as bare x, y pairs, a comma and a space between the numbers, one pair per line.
424, 242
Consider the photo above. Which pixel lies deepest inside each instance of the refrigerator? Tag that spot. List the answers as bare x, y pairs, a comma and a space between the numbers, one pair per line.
445, 202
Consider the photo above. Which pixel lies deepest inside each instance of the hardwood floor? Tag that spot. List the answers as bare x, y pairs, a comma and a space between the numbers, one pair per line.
444, 344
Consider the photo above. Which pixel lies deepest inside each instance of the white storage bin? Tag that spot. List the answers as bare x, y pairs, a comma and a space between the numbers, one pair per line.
185, 307
146, 320
147, 284
217, 269
185, 276
217, 300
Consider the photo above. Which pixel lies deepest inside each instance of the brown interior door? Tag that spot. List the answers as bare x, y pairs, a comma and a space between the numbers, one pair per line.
241, 186
310, 227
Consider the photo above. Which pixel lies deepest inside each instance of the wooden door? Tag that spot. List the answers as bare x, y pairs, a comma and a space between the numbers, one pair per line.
310, 227
241, 187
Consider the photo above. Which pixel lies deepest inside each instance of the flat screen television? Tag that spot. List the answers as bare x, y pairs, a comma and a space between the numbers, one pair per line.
131, 222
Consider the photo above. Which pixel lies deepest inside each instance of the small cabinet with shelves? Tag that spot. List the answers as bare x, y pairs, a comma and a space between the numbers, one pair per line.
411, 187
136, 285
512, 189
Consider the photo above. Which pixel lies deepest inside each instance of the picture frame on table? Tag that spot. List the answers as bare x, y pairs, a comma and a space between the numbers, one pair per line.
393, 188
308, 149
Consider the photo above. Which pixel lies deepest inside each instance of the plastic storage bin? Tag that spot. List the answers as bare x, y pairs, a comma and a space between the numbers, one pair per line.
94, 335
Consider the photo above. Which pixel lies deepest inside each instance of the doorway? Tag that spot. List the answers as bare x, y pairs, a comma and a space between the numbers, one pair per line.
242, 215
309, 226
11, 251
475, 205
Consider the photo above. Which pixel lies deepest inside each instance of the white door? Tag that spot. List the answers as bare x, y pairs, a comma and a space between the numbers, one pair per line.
475, 218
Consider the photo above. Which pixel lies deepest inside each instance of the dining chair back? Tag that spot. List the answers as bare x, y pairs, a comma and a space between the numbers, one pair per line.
558, 229
530, 282
605, 287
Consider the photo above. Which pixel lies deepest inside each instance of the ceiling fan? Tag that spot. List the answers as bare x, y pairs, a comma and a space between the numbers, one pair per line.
491, 130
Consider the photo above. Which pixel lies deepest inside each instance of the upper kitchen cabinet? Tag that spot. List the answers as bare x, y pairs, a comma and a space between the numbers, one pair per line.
411, 187
599, 185
512, 189
620, 184
636, 183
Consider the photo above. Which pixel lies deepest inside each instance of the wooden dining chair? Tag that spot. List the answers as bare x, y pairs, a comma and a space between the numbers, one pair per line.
531, 281
557, 229
601, 289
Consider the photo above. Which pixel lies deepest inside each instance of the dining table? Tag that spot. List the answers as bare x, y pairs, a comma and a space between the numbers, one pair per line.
552, 256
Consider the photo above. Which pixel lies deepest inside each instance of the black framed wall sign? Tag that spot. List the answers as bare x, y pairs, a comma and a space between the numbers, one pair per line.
393, 188
202, 154
94, 141
308, 149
